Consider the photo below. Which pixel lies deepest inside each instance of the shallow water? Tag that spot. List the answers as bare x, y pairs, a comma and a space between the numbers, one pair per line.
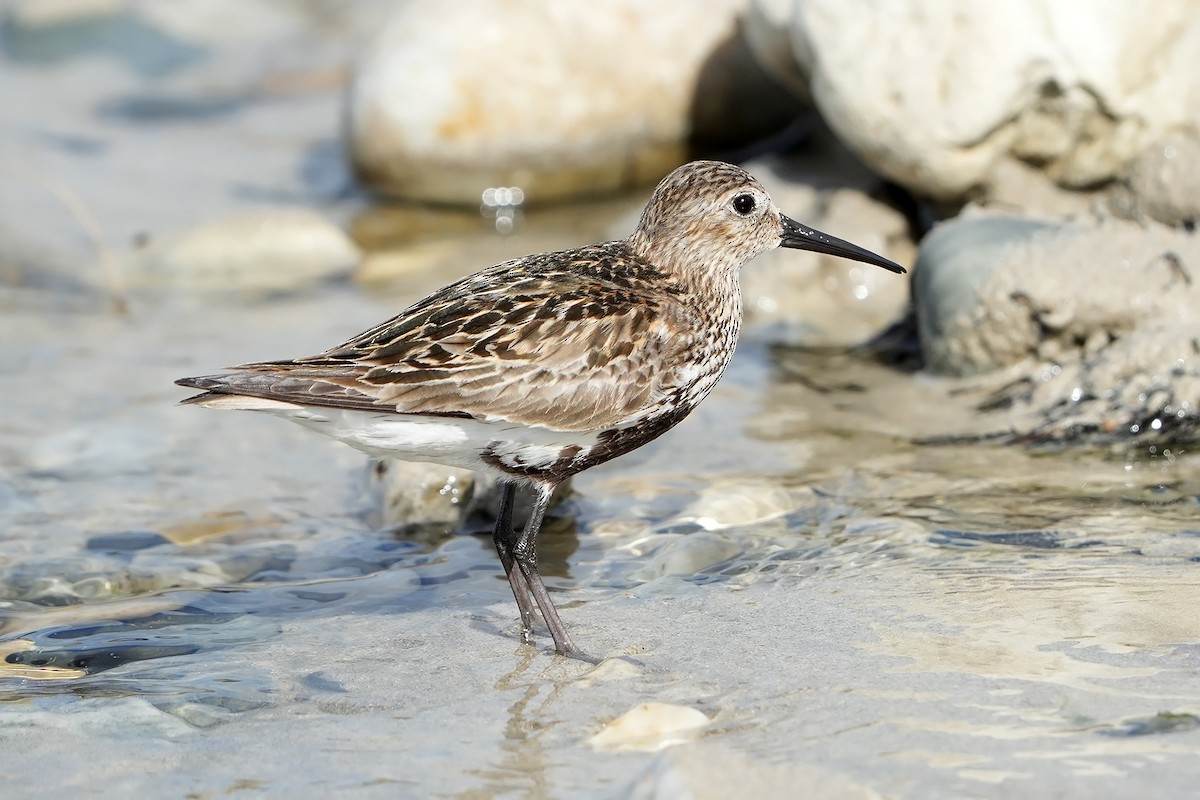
958, 619
198, 603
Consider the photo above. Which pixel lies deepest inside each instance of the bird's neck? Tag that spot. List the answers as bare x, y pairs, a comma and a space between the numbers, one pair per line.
698, 267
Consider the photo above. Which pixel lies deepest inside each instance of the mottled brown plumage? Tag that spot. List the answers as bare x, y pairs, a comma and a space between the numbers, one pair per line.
541, 367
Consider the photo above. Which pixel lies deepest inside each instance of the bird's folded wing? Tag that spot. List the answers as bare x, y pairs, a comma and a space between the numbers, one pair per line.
570, 352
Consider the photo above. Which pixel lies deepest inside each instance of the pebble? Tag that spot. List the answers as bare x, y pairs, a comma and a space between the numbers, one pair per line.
688, 554
278, 249
419, 494
729, 505
650, 727
413, 493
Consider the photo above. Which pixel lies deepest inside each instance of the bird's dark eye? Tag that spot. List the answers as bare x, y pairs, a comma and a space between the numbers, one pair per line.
743, 204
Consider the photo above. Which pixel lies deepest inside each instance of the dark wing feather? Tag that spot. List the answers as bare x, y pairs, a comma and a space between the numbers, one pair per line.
580, 340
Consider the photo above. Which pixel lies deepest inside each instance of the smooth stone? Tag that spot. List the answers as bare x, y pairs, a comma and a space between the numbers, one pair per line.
279, 249
689, 554
617, 668
1078, 92
649, 727
729, 505
561, 101
765, 27
414, 493
1165, 179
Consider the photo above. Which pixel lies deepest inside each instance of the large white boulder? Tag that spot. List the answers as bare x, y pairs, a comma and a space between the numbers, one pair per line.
933, 94
560, 99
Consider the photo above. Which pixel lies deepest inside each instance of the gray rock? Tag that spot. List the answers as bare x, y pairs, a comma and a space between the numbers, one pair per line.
126, 541
957, 260
1091, 327
685, 555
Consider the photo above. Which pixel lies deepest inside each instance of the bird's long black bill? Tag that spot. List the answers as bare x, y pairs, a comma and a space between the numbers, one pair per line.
802, 237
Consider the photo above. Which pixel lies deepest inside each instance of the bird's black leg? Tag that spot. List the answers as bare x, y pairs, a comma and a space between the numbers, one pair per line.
525, 554
505, 539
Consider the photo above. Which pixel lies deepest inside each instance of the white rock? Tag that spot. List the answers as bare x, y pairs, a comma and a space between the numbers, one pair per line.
688, 555
274, 249
417, 493
729, 505
650, 727
934, 94
412, 493
559, 99
619, 668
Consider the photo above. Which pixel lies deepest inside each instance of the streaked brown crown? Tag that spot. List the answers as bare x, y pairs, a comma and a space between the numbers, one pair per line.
692, 222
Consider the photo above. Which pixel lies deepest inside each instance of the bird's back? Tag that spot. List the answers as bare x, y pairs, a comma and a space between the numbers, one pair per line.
586, 340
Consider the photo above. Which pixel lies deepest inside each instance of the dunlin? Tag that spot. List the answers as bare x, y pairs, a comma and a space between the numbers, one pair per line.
541, 367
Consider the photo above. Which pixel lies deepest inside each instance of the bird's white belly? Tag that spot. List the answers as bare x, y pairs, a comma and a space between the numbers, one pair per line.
440, 440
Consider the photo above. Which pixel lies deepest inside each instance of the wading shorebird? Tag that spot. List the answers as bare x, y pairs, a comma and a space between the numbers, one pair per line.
540, 367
